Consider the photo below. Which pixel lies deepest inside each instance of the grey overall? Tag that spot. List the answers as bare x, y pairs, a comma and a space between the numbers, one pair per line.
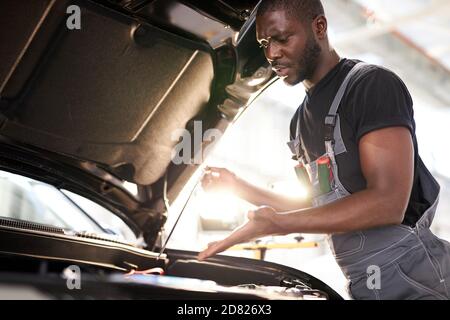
411, 263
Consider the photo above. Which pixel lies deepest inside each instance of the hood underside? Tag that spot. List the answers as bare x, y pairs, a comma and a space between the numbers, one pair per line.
107, 97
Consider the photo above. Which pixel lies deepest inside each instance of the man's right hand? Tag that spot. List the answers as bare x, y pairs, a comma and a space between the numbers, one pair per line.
217, 179
261, 222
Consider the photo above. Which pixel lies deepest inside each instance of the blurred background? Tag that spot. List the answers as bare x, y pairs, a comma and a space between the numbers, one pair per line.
410, 37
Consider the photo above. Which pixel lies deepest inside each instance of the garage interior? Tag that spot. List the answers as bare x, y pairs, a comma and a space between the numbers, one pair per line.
410, 37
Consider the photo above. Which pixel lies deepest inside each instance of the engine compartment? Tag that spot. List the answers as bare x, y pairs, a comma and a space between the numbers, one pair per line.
50, 280
44, 263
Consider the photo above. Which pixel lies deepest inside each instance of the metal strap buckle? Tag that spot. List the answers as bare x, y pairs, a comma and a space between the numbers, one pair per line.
330, 124
331, 120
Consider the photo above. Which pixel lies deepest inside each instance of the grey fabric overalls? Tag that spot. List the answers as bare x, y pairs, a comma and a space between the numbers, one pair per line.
411, 263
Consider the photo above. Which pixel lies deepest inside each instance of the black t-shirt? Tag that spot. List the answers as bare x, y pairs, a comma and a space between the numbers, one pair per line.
375, 99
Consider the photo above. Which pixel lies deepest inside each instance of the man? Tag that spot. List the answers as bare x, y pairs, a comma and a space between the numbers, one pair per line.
354, 136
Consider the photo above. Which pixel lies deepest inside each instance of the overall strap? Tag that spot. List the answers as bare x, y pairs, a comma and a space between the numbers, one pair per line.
331, 118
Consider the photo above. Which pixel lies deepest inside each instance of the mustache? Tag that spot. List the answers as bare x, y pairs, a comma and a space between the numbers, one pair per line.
279, 65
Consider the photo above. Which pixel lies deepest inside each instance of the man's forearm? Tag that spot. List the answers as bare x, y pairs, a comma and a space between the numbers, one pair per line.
262, 197
360, 211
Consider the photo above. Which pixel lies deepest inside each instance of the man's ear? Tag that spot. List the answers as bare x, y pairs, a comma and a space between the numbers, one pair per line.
320, 26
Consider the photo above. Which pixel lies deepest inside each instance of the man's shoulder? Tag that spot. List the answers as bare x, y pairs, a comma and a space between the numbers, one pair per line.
371, 84
372, 74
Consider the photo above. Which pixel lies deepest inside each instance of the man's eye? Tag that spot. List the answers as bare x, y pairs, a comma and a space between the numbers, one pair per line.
282, 40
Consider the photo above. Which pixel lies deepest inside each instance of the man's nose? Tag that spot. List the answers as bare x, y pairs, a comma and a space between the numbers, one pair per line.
272, 53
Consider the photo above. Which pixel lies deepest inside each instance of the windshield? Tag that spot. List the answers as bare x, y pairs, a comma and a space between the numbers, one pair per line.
30, 200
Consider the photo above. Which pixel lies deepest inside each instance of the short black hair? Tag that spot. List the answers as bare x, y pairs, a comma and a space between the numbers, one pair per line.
304, 10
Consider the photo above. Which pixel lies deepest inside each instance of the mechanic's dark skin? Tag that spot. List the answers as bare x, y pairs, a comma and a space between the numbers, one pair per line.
387, 158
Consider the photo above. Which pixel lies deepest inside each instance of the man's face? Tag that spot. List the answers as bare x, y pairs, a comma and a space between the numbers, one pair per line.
289, 46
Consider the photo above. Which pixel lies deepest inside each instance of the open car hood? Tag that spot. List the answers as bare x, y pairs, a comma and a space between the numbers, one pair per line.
90, 109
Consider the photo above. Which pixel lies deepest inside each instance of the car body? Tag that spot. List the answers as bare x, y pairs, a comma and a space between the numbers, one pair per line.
92, 110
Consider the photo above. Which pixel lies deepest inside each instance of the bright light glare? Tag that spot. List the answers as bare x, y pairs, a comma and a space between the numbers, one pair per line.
221, 206
131, 188
255, 82
292, 189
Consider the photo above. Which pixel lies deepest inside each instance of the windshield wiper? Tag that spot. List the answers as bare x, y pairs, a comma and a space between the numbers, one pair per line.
85, 212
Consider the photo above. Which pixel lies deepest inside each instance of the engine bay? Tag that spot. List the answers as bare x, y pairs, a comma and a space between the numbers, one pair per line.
51, 264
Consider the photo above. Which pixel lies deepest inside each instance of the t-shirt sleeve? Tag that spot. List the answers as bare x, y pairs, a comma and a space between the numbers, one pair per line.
377, 101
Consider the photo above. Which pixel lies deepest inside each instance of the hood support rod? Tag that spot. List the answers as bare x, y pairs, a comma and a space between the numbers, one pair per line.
166, 201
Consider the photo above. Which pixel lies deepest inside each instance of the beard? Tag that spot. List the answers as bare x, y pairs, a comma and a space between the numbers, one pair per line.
309, 60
